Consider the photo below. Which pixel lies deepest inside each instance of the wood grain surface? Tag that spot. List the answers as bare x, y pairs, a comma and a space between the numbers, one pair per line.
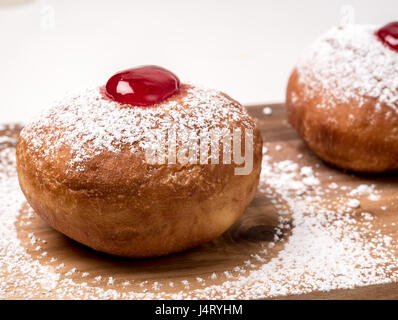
252, 232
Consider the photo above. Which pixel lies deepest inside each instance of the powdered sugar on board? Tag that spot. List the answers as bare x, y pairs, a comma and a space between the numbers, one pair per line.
349, 62
322, 242
329, 247
88, 124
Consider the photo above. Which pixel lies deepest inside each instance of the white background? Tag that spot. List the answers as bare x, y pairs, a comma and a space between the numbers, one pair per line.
245, 48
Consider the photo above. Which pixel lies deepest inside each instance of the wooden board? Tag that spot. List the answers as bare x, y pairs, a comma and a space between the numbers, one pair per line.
249, 235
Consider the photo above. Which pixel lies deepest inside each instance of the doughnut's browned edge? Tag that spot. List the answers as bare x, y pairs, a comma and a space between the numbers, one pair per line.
345, 134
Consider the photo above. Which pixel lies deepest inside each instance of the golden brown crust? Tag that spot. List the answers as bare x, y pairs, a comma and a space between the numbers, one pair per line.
350, 135
122, 205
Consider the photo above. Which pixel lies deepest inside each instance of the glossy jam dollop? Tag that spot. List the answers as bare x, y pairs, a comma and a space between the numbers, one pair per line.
142, 86
389, 35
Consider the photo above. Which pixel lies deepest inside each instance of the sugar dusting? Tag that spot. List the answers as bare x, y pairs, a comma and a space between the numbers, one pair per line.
331, 245
329, 248
349, 62
88, 124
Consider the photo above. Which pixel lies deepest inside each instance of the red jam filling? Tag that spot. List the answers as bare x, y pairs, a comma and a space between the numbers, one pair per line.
142, 86
389, 35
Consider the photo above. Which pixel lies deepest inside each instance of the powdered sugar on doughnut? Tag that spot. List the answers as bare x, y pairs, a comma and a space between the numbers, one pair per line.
348, 63
89, 124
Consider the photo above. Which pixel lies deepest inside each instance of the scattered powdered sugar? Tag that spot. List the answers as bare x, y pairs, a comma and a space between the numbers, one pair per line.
349, 62
374, 197
364, 189
267, 111
354, 203
329, 246
327, 249
89, 124
18, 271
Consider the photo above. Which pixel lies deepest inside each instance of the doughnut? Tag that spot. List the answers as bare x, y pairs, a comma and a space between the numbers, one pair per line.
83, 164
342, 98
